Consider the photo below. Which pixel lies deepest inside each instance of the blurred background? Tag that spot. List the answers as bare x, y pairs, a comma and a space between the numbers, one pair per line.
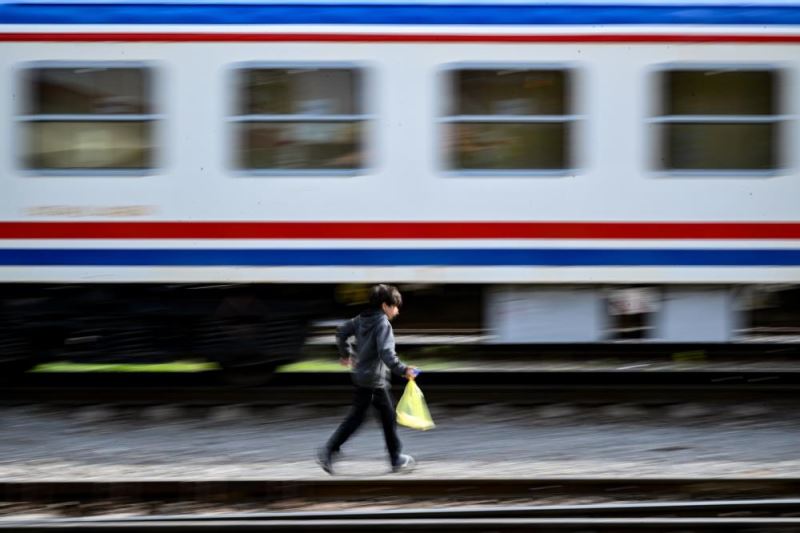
590, 210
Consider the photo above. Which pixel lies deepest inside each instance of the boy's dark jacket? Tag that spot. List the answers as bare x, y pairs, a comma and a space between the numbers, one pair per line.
374, 352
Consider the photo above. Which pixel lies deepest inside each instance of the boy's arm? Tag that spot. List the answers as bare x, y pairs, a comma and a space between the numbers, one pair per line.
344, 332
385, 342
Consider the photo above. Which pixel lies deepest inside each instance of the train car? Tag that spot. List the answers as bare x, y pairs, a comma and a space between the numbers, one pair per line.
204, 178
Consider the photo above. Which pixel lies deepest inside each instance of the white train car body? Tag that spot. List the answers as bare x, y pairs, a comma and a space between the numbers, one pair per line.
607, 211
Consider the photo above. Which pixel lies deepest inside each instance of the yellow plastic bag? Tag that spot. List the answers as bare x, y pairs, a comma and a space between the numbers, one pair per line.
411, 409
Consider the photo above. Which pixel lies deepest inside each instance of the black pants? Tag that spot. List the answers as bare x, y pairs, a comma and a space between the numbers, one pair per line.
382, 401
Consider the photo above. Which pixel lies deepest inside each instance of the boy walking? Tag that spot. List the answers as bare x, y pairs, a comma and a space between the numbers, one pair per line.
373, 360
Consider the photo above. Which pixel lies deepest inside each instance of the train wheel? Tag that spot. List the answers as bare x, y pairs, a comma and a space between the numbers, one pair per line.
239, 375
16, 355
249, 340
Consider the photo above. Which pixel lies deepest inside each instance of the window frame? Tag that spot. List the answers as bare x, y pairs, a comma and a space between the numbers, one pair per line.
574, 119
655, 117
233, 118
156, 93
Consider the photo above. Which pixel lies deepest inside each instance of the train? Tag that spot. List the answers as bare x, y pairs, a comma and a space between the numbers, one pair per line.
208, 179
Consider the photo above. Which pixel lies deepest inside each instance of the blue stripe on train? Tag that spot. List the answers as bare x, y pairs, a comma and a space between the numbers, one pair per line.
393, 14
397, 257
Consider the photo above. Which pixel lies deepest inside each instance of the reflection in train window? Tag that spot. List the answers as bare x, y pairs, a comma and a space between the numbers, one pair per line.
90, 117
508, 120
723, 119
299, 120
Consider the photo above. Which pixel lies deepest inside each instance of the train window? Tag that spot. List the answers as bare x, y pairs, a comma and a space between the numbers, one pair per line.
509, 120
718, 120
96, 118
306, 120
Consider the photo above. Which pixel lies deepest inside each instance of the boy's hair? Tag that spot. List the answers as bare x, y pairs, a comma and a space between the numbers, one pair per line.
384, 294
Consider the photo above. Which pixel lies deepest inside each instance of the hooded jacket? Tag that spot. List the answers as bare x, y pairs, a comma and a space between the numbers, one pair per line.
374, 355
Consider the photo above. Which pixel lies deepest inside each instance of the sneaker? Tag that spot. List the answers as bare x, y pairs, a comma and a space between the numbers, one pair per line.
404, 463
325, 460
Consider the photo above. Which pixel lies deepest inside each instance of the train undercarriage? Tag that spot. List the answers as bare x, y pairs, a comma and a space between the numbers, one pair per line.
251, 329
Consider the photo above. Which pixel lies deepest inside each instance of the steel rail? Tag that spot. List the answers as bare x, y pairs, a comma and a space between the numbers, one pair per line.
409, 489
541, 525
455, 388
674, 509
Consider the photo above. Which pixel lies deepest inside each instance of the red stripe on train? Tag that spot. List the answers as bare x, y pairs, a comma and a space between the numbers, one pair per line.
389, 37
400, 230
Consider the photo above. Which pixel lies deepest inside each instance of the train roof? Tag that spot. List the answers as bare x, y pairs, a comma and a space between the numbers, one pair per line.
404, 12
449, 3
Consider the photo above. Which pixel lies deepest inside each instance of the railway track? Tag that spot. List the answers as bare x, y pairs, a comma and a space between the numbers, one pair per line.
454, 388
764, 515
770, 508
413, 491
770, 513
541, 525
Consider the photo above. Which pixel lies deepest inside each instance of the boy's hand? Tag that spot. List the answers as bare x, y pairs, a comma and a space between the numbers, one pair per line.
346, 361
411, 372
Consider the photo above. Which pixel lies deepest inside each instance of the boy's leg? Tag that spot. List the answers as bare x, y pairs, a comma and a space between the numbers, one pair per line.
382, 400
361, 401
